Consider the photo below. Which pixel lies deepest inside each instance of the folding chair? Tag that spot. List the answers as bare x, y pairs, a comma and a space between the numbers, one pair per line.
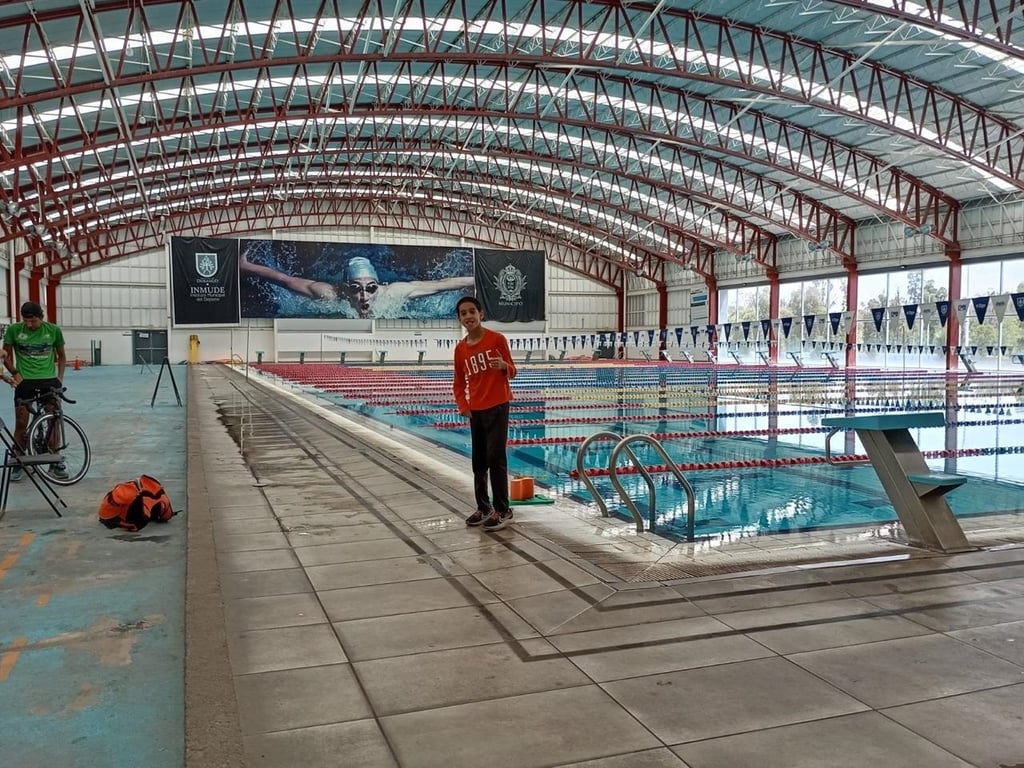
32, 467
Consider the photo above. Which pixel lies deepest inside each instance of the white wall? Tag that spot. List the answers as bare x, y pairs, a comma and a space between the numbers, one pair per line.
106, 303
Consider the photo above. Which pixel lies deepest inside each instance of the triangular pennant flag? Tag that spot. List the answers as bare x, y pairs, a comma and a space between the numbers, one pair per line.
910, 313
787, 325
766, 326
847, 321
980, 307
962, 305
679, 336
650, 337
834, 319
693, 332
878, 315
999, 306
1018, 304
745, 327
809, 324
727, 328
942, 307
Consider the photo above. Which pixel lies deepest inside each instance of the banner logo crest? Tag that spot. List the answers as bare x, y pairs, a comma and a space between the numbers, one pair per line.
511, 283
206, 264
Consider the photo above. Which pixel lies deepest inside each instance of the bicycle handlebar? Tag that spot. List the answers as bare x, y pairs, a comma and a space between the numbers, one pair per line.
53, 392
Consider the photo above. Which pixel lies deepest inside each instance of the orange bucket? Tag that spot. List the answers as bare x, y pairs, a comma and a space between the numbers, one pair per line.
521, 488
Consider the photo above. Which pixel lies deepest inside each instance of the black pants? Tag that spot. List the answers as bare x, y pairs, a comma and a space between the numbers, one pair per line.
489, 430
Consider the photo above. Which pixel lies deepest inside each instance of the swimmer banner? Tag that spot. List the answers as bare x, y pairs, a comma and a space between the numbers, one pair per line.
510, 285
293, 279
204, 281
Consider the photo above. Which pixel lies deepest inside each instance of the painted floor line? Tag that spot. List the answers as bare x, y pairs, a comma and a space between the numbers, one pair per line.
8, 562
9, 659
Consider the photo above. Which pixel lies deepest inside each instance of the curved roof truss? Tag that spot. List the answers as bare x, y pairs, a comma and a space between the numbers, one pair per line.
659, 131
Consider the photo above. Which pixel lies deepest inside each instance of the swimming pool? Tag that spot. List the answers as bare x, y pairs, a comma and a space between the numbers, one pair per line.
749, 440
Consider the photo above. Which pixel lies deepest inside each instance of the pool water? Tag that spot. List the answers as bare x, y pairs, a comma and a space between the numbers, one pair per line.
768, 421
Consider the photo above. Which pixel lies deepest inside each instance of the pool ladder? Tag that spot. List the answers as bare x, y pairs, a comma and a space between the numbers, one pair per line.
622, 446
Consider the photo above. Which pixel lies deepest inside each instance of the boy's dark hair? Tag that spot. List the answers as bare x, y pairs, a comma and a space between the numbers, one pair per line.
31, 309
472, 300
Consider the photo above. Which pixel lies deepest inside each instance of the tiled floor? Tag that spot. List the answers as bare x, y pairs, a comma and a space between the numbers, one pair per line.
367, 626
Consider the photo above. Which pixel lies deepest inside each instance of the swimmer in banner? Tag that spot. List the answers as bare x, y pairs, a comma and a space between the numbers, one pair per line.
360, 286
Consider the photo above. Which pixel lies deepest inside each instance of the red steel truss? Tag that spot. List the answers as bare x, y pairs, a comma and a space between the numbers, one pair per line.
521, 107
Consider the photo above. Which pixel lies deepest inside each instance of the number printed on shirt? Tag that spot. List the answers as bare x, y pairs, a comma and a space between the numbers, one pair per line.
478, 362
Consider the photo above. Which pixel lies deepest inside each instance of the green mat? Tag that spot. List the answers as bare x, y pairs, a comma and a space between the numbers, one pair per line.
538, 498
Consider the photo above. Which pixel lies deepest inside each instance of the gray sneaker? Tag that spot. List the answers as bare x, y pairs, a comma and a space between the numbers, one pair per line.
496, 521
17, 474
59, 471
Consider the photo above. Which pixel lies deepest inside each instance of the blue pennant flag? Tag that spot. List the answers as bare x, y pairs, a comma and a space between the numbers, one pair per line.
910, 312
878, 315
981, 307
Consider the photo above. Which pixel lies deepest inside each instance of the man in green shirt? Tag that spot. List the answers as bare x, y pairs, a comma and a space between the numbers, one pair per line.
34, 354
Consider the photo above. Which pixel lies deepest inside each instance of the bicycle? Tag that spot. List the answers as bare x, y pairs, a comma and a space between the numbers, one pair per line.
51, 431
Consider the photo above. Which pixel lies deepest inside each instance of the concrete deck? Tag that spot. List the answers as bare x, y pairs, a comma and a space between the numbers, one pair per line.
339, 612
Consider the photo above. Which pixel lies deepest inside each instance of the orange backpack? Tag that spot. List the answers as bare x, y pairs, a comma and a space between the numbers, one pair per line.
133, 504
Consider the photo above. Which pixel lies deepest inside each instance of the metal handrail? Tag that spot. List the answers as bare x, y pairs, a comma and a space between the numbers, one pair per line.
623, 445
605, 435
828, 451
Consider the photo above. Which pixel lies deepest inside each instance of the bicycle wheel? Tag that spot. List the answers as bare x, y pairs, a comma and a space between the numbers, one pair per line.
70, 442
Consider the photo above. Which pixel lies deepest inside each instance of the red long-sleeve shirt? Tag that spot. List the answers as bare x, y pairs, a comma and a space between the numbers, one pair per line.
477, 386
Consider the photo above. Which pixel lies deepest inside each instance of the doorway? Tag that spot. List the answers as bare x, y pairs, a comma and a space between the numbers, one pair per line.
149, 347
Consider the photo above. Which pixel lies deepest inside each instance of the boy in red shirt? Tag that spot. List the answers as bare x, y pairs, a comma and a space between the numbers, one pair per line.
483, 369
